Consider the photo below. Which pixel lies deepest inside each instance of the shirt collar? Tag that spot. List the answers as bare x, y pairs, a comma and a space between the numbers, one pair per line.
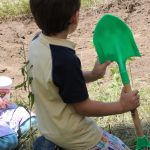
57, 41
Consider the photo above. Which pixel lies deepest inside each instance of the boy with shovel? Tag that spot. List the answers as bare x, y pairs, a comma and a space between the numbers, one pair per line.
62, 103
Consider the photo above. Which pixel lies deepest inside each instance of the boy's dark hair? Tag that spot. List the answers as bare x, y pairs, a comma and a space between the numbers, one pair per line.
53, 16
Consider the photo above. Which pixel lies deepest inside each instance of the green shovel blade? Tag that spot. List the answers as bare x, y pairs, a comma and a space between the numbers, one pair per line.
114, 41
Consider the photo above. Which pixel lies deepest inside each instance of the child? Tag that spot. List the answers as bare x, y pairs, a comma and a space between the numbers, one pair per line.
62, 103
8, 137
14, 121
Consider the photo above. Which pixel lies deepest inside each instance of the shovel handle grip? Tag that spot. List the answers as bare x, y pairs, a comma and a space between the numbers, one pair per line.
135, 115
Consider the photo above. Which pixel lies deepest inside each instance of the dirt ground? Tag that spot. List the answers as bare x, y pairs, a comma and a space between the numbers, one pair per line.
15, 35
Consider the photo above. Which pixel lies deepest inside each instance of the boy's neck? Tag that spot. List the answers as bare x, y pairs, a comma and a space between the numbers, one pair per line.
61, 35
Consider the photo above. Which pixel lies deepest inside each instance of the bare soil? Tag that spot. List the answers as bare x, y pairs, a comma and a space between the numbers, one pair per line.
15, 36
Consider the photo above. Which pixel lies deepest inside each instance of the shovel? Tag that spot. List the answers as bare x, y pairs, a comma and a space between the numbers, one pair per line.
113, 41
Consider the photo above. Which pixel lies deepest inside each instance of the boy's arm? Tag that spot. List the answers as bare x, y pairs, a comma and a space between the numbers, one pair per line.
90, 77
95, 109
97, 72
128, 102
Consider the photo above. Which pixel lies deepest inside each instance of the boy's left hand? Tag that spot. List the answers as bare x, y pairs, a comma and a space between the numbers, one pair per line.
100, 69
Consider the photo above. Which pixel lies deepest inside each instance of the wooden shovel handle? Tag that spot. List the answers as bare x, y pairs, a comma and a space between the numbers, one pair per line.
135, 115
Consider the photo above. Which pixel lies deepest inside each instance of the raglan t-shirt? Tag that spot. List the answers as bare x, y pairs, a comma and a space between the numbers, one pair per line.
57, 83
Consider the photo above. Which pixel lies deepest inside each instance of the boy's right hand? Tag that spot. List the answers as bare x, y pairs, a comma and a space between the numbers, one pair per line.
129, 101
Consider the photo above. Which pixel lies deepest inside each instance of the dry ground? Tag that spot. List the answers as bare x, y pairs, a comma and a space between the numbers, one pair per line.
14, 35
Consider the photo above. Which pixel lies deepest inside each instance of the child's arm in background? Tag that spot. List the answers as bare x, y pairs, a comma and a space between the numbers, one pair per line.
97, 72
128, 101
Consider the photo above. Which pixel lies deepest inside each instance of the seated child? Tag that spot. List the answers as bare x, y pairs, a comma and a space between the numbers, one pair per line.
14, 122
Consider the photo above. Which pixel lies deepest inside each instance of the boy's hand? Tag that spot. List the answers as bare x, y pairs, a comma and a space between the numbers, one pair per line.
129, 101
99, 69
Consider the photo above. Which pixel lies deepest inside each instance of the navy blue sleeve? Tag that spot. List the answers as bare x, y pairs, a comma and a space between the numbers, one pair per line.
68, 77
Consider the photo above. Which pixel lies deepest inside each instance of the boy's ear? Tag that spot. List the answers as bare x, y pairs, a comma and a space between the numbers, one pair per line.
75, 18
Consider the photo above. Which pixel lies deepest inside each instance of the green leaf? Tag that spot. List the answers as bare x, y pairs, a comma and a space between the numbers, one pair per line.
31, 99
30, 80
23, 71
20, 85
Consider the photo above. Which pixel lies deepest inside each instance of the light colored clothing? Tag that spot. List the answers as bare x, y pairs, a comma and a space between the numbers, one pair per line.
110, 142
4, 129
15, 117
14, 122
58, 121
8, 138
8, 142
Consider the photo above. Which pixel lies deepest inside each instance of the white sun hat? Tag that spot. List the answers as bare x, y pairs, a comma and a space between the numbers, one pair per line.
5, 86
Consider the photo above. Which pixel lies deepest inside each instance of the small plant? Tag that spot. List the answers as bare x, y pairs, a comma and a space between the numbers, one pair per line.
26, 85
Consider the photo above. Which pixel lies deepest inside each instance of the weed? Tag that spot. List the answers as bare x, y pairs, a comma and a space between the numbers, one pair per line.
30, 136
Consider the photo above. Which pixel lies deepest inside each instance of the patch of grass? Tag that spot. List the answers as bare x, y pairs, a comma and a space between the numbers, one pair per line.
106, 90
9, 8
90, 3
